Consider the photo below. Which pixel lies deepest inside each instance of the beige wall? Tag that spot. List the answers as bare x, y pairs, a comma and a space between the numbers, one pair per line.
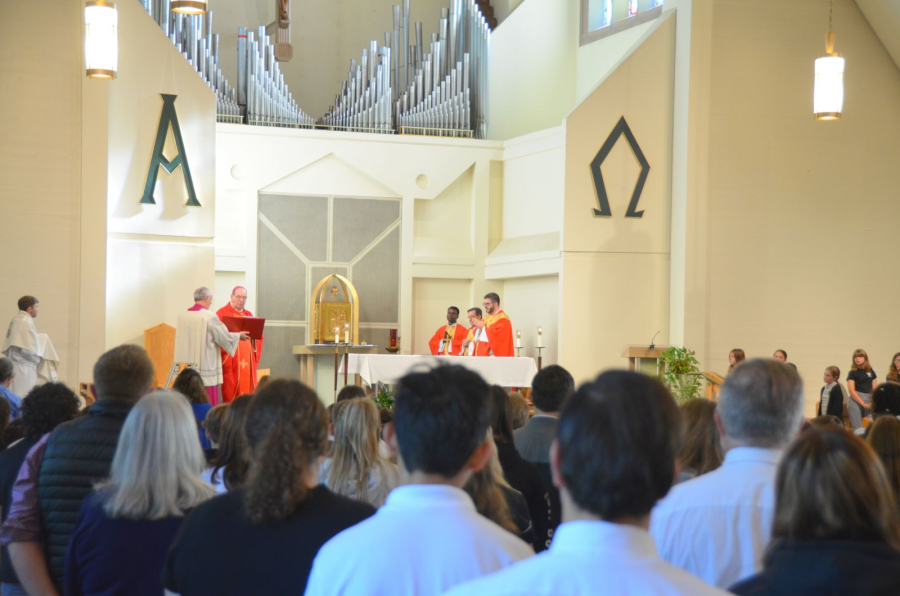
431, 299
40, 168
615, 269
801, 233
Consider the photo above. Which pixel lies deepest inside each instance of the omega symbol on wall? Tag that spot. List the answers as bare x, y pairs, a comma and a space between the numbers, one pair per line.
157, 159
620, 129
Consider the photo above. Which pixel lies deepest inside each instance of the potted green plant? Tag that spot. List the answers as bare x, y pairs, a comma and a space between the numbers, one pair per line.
679, 370
384, 397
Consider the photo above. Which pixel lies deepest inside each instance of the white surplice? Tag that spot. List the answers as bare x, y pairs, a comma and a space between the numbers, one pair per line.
198, 336
21, 345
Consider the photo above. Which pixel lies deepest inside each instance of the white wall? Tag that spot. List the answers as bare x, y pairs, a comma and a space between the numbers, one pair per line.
432, 298
156, 254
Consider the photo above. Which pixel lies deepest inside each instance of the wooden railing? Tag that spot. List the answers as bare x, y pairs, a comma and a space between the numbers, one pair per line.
713, 384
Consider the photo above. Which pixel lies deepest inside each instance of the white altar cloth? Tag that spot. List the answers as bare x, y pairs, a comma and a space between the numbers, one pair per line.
389, 368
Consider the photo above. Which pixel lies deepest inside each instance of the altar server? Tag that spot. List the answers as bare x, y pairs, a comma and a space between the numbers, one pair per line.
239, 370
22, 347
199, 334
447, 340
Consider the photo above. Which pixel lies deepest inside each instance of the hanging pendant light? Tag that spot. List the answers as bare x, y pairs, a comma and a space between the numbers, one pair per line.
828, 93
101, 39
189, 6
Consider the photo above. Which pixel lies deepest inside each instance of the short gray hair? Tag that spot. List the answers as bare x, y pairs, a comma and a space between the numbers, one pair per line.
155, 472
201, 293
762, 403
6, 369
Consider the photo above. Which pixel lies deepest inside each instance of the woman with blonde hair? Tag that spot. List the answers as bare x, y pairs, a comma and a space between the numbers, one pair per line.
836, 529
735, 357
357, 469
262, 537
861, 382
701, 451
127, 525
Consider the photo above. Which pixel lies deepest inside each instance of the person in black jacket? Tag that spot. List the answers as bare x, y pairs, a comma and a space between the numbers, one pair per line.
47, 406
832, 395
836, 530
68, 463
520, 474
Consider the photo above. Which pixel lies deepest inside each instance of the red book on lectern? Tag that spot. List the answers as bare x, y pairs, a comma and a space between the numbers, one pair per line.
252, 324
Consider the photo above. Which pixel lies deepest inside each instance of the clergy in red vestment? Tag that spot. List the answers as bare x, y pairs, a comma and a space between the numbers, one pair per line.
239, 371
476, 342
447, 340
497, 326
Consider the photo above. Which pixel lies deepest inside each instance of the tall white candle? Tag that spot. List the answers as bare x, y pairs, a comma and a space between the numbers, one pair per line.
347, 333
518, 339
337, 335
540, 339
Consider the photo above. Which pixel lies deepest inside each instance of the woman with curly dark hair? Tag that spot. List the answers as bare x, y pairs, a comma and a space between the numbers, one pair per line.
262, 537
189, 383
46, 407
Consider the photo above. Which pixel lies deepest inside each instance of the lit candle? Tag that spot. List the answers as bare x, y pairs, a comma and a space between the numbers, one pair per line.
540, 340
337, 335
518, 339
347, 333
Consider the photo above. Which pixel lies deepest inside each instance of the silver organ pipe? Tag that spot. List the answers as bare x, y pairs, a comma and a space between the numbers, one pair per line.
413, 89
262, 95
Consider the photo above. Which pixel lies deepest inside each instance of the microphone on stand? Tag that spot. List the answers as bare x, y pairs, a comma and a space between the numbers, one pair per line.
653, 345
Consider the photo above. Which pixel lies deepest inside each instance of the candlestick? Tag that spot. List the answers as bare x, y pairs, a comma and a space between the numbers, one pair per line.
540, 339
539, 362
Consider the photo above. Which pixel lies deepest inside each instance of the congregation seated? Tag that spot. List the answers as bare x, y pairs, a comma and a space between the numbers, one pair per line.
884, 438
701, 451
189, 383
128, 523
428, 537
613, 459
261, 537
836, 529
229, 468
47, 407
549, 389
826, 420
350, 392
716, 526
496, 500
521, 475
62, 468
356, 468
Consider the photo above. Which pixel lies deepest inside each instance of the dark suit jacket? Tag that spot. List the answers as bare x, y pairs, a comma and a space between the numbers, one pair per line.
533, 444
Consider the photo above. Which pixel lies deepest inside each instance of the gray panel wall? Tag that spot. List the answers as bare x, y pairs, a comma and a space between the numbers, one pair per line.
285, 280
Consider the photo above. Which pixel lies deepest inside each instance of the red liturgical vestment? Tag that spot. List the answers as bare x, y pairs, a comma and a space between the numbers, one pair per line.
239, 372
500, 335
452, 346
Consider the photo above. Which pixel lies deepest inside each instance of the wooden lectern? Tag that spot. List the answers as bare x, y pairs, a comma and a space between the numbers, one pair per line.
644, 358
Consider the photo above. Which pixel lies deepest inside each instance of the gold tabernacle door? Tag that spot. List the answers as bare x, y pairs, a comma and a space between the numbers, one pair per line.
334, 304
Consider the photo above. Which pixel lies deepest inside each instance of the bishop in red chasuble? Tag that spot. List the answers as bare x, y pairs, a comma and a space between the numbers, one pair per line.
239, 371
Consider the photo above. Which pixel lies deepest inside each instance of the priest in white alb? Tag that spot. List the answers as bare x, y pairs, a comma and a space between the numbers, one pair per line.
199, 335
22, 346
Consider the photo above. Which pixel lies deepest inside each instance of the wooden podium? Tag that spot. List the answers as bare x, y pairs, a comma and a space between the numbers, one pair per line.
644, 358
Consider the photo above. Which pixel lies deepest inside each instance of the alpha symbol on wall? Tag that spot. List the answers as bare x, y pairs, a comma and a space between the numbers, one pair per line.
169, 118
620, 129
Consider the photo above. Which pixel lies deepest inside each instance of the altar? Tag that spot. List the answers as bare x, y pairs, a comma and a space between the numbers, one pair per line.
388, 368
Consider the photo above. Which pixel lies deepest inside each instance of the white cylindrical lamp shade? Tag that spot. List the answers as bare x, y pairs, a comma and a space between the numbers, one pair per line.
828, 94
189, 6
101, 39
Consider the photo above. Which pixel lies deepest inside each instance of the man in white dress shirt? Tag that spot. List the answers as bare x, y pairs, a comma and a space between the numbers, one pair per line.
614, 458
718, 525
427, 537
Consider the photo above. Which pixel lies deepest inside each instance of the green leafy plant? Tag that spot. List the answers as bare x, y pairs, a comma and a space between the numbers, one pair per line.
680, 371
384, 397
